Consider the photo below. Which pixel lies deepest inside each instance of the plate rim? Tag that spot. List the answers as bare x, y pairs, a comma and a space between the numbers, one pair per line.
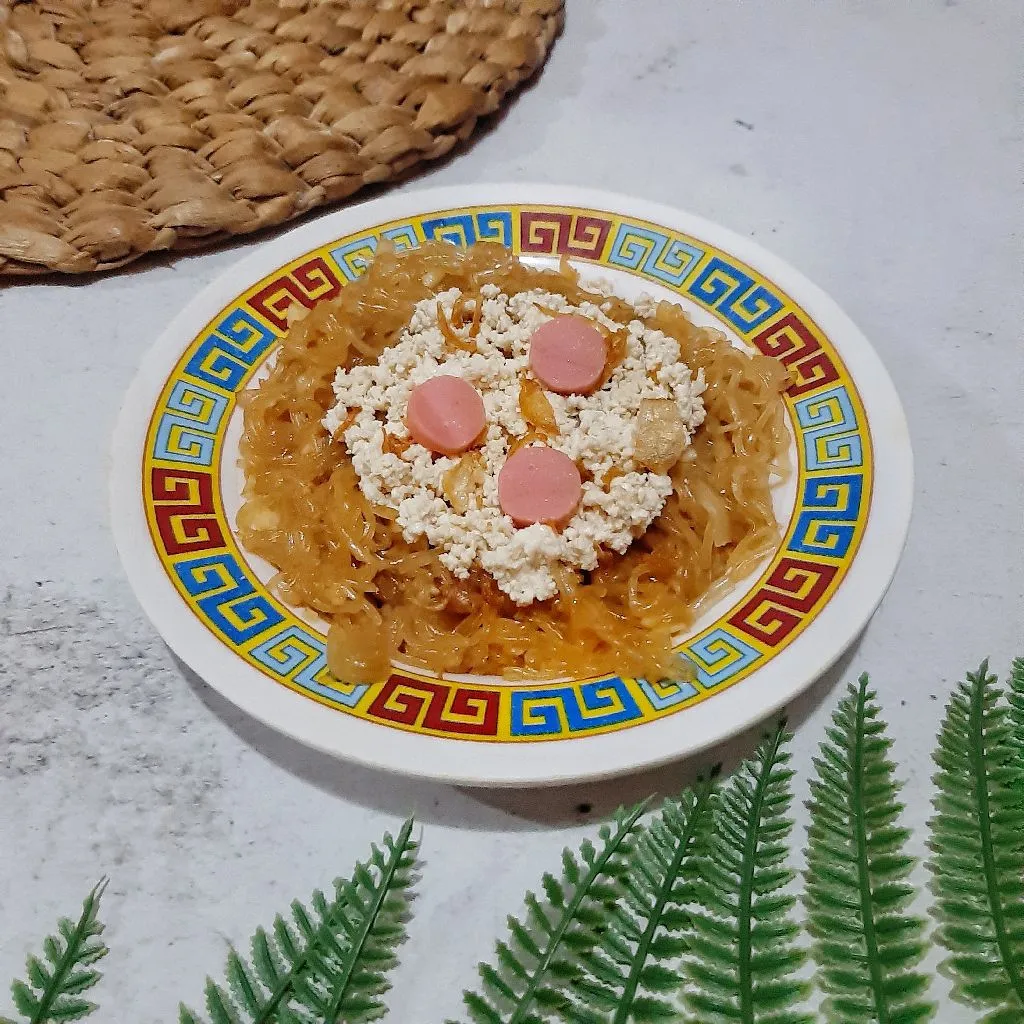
498, 764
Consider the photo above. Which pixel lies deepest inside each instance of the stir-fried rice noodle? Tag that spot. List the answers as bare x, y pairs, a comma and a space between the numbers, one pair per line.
387, 599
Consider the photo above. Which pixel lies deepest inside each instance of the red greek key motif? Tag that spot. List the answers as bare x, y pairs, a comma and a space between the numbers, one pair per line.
440, 707
307, 285
789, 594
184, 512
561, 234
791, 342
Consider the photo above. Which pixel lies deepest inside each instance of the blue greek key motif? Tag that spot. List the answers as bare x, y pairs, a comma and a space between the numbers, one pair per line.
226, 597
225, 357
354, 257
403, 236
667, 693
830, 507
466, 229
495, 226
297, 655
732, 293
654, 254
830, 440
719, 656
186, 431
458, 229
557, 710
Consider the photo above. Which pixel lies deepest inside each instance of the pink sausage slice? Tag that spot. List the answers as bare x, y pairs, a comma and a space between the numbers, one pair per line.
539, 485
445, 414
568, 354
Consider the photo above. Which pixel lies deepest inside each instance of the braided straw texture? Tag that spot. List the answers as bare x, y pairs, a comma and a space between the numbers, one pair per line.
129, 126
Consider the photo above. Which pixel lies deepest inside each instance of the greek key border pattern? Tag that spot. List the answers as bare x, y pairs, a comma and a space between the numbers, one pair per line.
193, 539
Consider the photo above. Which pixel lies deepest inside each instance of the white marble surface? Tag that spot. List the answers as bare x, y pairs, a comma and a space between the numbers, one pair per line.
876, 146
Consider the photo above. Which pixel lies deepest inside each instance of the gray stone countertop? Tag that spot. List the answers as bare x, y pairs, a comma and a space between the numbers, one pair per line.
876, 146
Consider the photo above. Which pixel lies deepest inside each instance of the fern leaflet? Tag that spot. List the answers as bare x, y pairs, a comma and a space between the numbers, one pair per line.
743, 952
537, 962
329, 963
978, 844
1016, 697
625, 977
857, 890
57, 980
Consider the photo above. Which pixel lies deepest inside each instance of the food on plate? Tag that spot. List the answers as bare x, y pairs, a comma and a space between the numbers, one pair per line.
444, 415
539, 485
568, 355
465, 464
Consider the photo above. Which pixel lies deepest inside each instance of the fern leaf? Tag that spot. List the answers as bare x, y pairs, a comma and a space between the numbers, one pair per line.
1016, 699
329, 962
857, 894
532, 969
978, 844
744, 955
375, 905
52, 993
624, 977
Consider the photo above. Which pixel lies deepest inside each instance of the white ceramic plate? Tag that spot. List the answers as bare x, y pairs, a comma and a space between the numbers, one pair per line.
175, 489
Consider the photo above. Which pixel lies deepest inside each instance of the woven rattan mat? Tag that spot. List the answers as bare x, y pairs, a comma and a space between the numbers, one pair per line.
128, 126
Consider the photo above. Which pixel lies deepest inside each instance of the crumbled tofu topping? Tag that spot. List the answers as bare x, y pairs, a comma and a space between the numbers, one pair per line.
595, 431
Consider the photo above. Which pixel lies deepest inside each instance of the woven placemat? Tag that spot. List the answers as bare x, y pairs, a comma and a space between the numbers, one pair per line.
129, 126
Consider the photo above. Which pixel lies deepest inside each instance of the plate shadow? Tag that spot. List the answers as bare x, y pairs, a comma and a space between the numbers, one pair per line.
429, 802
494, 810
596, 801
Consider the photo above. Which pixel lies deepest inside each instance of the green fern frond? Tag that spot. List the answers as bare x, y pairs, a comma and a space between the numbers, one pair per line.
57, 980
978, 850
857, 875
1016, 698
625, 977
532, 968
743, 950
328, 964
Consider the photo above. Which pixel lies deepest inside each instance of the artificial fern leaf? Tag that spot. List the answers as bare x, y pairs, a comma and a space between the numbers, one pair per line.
978, 850
625, 978
743, 951
857, 891
328, 964
52, 993
532, 968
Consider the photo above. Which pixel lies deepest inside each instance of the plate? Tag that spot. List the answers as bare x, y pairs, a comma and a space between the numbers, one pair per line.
175, 490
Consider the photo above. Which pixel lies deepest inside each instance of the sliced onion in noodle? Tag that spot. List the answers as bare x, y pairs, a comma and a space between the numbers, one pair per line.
536, 407
463, 483
660, 438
